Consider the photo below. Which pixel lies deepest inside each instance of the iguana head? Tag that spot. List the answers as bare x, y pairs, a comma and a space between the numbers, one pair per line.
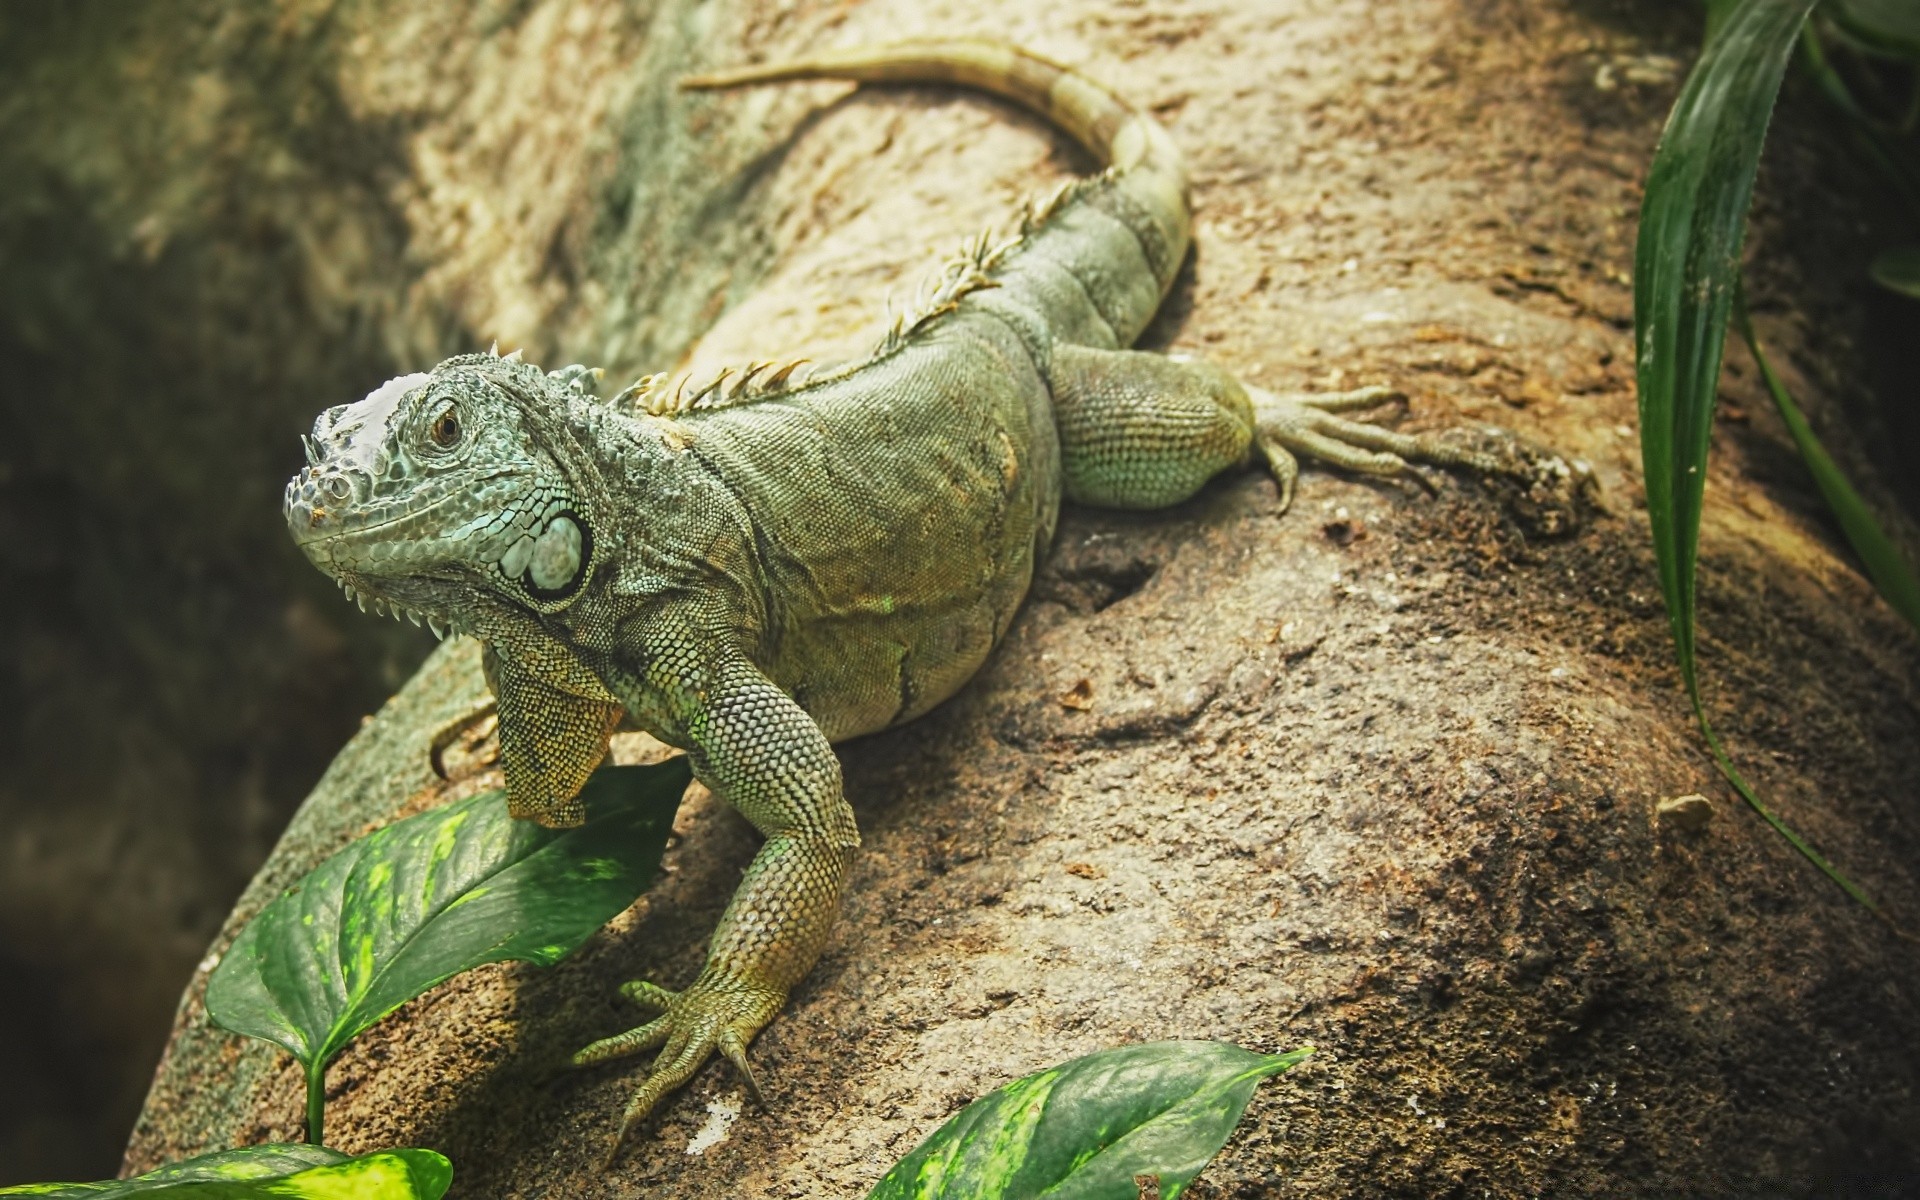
449, 494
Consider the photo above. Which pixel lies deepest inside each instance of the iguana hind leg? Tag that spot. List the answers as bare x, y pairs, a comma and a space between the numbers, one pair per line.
1141, 430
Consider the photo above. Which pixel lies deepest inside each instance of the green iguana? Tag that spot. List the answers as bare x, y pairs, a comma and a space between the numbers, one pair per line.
757, 567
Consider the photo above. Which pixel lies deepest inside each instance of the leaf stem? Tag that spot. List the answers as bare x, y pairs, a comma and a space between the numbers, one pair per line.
1786, 831
316, 1100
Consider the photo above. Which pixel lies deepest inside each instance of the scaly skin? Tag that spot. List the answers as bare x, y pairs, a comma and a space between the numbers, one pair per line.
755, 569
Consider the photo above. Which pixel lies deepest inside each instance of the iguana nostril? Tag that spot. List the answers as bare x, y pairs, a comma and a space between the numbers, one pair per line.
338, 487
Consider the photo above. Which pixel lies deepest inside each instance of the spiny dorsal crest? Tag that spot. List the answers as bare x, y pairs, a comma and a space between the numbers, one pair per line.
970, 270
670, 395
940, 293
1032, 215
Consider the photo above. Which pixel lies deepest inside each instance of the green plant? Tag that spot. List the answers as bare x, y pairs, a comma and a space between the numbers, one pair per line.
1092, 1128
273, 1172
1102, 1127
1686, 288
394, 913
406, 907
411, 905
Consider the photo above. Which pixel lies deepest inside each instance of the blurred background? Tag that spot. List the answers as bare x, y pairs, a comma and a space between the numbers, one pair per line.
173, 675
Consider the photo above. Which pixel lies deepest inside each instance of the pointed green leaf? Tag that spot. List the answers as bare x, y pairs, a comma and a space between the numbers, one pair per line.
1686, 264
1892, 25
1898, 270
276, 1172
1890, 572
1686, 274
408, 906
1086, 1129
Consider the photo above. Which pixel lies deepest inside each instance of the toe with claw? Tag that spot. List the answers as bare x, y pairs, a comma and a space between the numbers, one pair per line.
714, 1014
1548, 493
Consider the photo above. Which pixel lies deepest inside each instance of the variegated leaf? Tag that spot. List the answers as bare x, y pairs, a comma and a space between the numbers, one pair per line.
1090, 1128
276, 1172
408, 906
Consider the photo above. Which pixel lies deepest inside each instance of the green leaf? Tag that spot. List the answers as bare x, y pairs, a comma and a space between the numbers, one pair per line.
1891, 25
1898, 270
1085, 1129
274, 1172
1717, 13
1686, 263
1889, 571
411, 905
1686, 275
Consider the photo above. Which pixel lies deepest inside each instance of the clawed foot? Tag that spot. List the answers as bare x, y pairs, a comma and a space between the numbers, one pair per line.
1307, 423
1548, 493
713, 1014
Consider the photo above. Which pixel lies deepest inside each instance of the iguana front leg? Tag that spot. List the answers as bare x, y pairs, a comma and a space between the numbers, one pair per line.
760, 752
551, 740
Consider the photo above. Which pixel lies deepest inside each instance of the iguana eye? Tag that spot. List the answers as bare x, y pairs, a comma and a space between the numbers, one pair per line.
446, 430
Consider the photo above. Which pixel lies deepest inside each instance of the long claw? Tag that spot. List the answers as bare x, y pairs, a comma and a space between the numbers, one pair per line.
1285, 468
1411, 447
713, 1014
667, 1075
735, 1048
1345, 453
1306, 424
1333, 402
1546, 493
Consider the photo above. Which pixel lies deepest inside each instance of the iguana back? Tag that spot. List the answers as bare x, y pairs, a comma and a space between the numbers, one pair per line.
901, 502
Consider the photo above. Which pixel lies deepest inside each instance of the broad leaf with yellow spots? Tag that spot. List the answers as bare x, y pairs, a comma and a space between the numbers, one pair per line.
1095, 1128
411, 905
275, 1172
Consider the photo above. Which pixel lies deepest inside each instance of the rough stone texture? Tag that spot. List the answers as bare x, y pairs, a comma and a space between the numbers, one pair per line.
1378, 774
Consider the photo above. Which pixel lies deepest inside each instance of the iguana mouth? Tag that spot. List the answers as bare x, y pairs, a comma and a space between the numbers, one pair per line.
304, 517
386, 547
548, 559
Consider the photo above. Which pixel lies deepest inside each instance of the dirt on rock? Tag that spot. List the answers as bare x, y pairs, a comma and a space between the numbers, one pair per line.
1377, 774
